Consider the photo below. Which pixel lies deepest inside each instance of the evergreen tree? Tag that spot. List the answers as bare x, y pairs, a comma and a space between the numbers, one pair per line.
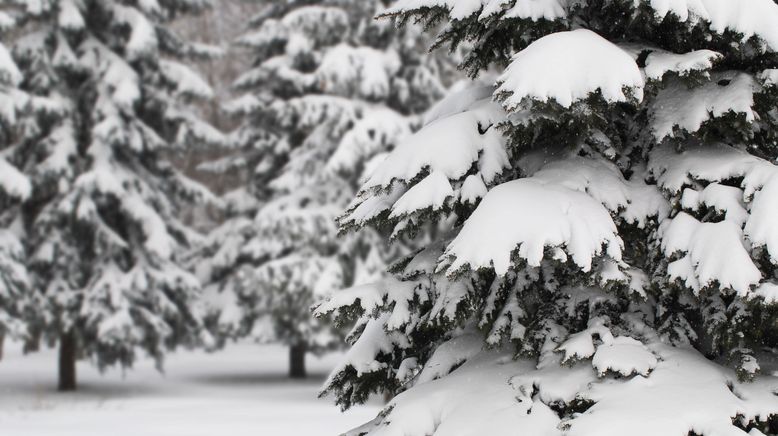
14, 187
610, 267
100, 224
329, 92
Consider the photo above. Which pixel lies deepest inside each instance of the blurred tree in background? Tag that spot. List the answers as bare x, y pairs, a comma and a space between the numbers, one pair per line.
106, 120
112, 94
219, 25
15, 187
328, 93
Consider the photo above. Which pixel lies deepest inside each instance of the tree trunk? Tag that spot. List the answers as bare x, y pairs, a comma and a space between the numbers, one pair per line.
67, 362
297, 361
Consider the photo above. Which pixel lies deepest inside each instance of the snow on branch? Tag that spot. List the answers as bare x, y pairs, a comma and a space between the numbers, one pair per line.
749, 18
563, 218
714, 252
430, 169
658, 63
568, 205
390, 293
458, 9
373, 132
9, 72
567, 67
718, 251
143, 36
677, 106
184, 79
13, 182
448, 146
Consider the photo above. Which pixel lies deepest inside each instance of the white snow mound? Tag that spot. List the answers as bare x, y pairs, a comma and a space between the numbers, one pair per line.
569, 66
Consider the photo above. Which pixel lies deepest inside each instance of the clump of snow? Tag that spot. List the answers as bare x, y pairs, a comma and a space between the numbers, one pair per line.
456, 102
157, 238
582, 345
760, 227
184, 79
448, 146
143, 36
461, 138
13, 181
388, 292
599, 178
149, 6
70, 17
769, 77
432, 191
768, 291
747, 17
711, 163
722, 198
473, 189
688, 108
425, 261
373, 206
450, 354
121, 80
646, 201
449, 294
571, 201
566, 67
9, 72
533, 10
529, 215
714, 252
373, 340
624, 355
242, 105
62, 146
660, 62
6, 21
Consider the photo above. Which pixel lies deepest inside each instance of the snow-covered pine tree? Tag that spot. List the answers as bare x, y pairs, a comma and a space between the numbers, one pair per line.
611, 262
100, 222
14, 187
330, 91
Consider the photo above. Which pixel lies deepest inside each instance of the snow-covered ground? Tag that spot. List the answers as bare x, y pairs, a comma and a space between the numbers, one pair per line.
240, 391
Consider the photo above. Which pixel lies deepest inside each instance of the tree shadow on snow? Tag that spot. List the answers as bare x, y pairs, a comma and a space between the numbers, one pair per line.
45, 396
253, 379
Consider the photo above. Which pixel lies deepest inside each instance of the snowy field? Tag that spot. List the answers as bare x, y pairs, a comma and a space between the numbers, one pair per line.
240, 391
